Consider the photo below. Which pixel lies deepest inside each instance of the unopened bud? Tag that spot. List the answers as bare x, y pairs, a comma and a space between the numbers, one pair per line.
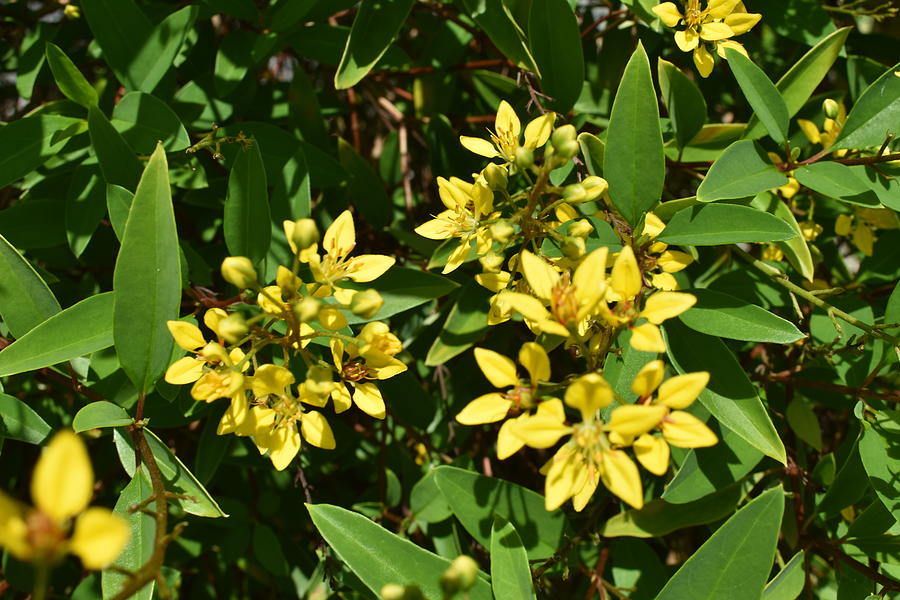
567, 150
575, 193
71, 11
595, 186
465, 570
524, 158
502, 232
305, 234
495, 176
366, 304
491, 262
392, 591
563, 135
580, 228
239, 271
795, 153
573, 247
830, 108
307, 309
232, 328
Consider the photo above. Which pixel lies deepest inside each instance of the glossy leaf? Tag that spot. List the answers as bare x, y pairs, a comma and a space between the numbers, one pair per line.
634, 164
837, 181
403, 288
19, 422
141, 542
100, 414
761, 93
875, 114
117, 160
555, 43
729, 396
510, 574
193, 497
735, 562
742, 170
426, 501
789, 583
85, 206
147, 279
876, 446
143, 120
795, 250
366, 189
71, 82
725, 316
118, 205
464, 326
379, 557
475, 499
495, 19
593, 149
247, 224
28, 142
683, 100
715, 224
79, 330
25, 299
374, 27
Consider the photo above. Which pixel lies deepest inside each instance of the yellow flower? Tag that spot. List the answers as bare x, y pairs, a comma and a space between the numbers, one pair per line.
61, 487
357, 368
662, 262
678, 427
720, 20
831, 128
505, 139
467, 206
867, 222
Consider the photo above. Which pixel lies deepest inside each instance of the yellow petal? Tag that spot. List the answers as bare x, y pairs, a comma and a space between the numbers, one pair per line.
534, 358
625, 278
653, 453
271, 379
810, 130
453, 196
537, 132
590, 281
540, 431
668, 13
317, 431
499, 370
742, 22
631, 420
552, 408
703, 60
332, 319
367, 267
681, 391
589, 393
590, 481
493, 281
507, 120
647, 338
488, 408
13, 530
213, 317
437, 229
478, 146
720, 9
388, 369
621, 477
648, 378
843, 223
653, 225
184, 370
721, 46
664, 281
187, 335
283, 444
340, 396
99, 537
665, 305
482, 199
687, 40
63, 478
684, 430
368, 398
712, 32
508, 443
458, 256
540, 275
340, 237
560, 480
672, 261
234, 416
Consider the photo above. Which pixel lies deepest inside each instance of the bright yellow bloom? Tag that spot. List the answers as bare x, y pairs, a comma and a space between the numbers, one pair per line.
862, 225
505, 139
662, 262
830, 131
357, 368
720, 20
61, 488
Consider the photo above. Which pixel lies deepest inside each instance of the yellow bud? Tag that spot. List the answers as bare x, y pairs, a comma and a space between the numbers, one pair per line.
595, 186
563, 135
71, 11
239, 271
495, 176
501, 232
233, 328
580, 228
307, 309
491, 262
524, 158
366, 304
392, 591
305, 233
566, 150
573, 247
461, 575
830, 108
575, 193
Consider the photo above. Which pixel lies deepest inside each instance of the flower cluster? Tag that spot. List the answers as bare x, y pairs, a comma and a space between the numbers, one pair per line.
273, 400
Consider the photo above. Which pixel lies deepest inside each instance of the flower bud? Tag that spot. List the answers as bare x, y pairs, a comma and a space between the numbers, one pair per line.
573, 247
239, 271
491, 262
305, 234
567, 150
392, 591
563, 135
307, 309
71, 11
830, 108
524, 158
595, 186
795, 153
495, 176
461, 575
575, 193
232, 328
501, 232
366, 304
580, 228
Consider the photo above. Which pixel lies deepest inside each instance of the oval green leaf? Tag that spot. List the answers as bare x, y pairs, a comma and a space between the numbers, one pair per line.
495, 19
714, 224
875, 115
19, 422
247, 222
837, 181
27, 143
555, 43
374, 27
71, 82
85, 206
510, 574
742, 170
683, 100
100, 414
761, 93
789, 583
143, 120
25, 299
465, 325
117, 160
725, 316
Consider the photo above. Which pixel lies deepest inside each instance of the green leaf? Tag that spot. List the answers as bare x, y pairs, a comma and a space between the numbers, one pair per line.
876, 448
25, 299
141, 542
729, 396
19, 422
494, 18
593, 150
788, 584
555, 42
143, 120
366, 189
27, 143
147, 279
634, 163
379, 557
118, 205
426, 502
247, 222
795, 250
193, 497
848, 486
725, 316
620, 367
683, 100
510, 574
374, 27
658, 517
803, 420
802, 79
71, 82
85, 206
761, 93
267, 549
77, 331
715, 224
476, 499
742, 170
735, 562
117, 160
403, 288
875, 114
100, 414
837, 181
465, 325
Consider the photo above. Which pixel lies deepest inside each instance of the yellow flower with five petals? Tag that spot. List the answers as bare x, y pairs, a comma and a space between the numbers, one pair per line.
505, 138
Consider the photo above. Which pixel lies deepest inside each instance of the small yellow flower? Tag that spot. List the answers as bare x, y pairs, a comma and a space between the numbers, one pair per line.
357, 368
831, 128
61, 487
862, 225
505, 139
660, 261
